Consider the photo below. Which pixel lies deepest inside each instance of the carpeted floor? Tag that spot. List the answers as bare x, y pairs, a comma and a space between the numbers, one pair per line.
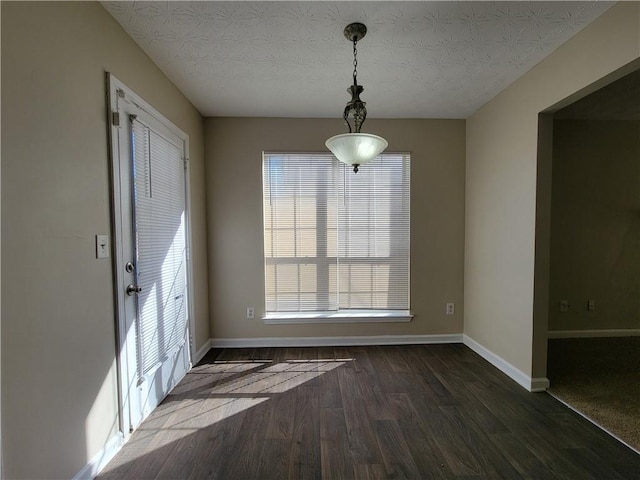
600, 377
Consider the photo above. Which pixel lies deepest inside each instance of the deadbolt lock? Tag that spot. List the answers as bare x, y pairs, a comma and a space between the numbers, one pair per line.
133, 289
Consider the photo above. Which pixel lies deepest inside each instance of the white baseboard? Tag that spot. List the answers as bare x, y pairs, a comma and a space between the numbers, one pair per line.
100, 460
202, 351
333, 341
620, 332
524, 380
539, 384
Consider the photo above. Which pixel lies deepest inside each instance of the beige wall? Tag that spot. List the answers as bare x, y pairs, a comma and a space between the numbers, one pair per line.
234, 182
59, 404
501, 188
595, 226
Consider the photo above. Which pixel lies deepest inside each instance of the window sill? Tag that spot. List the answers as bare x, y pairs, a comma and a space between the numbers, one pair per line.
353, 316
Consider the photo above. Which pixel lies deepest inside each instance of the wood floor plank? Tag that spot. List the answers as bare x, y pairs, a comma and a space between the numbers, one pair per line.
373, 397
217, 430
246, 447
328, 382
245, 464
492, 462
361, 361
274, 460
282, 415
524, 460
422, 442
369, 472
307, 361
417, 411
441, 395
454, 450
428, 458
151, 452
304, 459
395, 450
395, 359
363, 447
334, 446
554, 457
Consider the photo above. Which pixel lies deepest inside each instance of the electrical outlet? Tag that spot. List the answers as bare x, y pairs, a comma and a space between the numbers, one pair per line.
251, 313
564, 305
451, 308
591, 306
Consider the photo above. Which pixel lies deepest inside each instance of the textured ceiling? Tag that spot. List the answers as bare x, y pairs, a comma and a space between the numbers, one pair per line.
290, 59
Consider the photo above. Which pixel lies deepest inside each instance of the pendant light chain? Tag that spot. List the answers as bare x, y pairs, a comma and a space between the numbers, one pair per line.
356, 107
355, 61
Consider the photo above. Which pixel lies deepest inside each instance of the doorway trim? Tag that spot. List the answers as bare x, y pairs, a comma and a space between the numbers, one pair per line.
116, 89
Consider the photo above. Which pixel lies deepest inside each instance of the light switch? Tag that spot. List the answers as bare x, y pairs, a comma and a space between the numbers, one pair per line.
102, 246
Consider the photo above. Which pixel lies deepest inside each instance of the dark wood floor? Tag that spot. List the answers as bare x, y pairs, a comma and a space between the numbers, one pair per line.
434, 411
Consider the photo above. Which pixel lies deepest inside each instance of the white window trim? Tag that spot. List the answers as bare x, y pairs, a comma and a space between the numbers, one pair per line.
345, 316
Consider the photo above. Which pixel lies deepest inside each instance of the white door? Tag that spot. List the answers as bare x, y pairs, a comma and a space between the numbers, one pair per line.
149, 165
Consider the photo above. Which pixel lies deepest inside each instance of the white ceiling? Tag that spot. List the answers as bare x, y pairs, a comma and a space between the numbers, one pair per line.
290, 59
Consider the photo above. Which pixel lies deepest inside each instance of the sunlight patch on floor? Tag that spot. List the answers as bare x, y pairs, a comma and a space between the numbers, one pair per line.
214, 392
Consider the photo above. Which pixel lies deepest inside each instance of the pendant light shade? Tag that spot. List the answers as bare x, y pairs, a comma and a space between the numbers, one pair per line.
356, 148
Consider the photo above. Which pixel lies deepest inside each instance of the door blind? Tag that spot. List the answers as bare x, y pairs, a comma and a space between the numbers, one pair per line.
335, 240
159, 199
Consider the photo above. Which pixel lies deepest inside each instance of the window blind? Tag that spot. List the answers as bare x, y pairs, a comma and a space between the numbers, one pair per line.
335, 240
159, 199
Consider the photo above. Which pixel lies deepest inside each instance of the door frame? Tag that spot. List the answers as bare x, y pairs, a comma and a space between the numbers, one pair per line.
116, 90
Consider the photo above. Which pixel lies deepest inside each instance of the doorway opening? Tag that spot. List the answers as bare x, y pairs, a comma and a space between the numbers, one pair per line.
593, 350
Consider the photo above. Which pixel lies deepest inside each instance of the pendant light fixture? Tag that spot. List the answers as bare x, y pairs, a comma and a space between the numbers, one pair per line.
356, 148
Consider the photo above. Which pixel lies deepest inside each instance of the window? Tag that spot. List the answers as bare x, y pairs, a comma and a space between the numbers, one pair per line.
335, 241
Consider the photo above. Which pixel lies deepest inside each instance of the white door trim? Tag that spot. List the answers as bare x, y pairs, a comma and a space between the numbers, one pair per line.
115, 91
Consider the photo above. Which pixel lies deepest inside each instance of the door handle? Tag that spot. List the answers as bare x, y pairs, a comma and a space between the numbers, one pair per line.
133, 289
